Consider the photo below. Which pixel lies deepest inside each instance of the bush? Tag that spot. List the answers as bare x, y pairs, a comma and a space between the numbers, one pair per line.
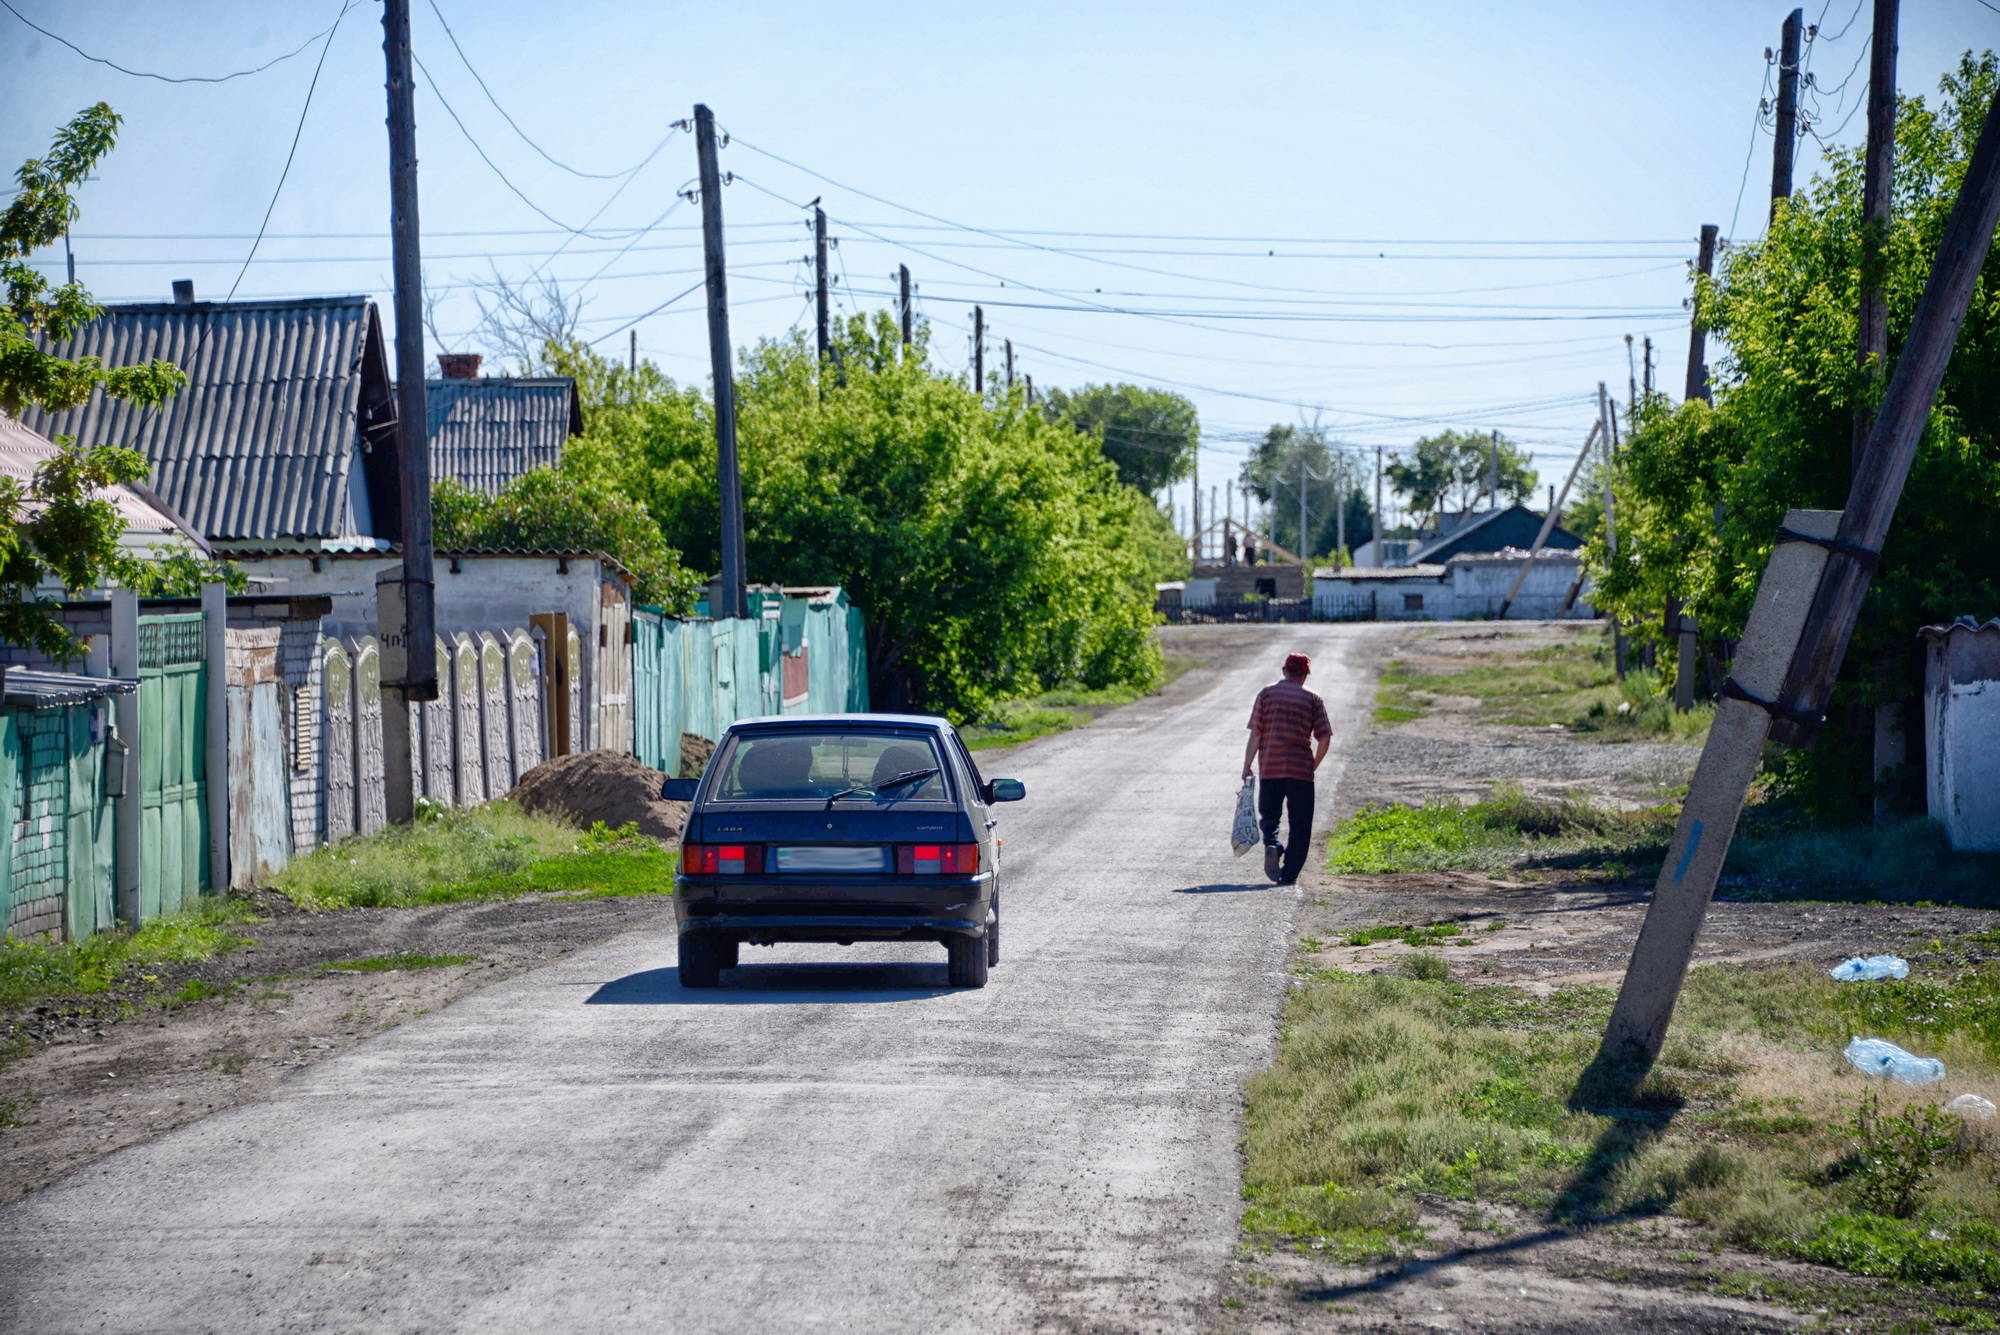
424, 860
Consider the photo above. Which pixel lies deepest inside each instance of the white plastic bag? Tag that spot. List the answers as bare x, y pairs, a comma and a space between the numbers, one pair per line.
1244, 834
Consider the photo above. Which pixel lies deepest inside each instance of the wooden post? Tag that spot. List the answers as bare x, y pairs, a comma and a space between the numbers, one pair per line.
1029, 381
633, 365
979, 351
215, 729
1610, 523
1549, 520
729, 481
130, 811
1708, 817
402, 752
1787, 127
1892, 441
903, 299
1010, 363
1381, 520
1697, 375
821, 316
1871, 351
1647, 361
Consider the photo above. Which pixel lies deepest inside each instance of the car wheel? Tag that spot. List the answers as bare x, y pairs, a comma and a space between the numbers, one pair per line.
965, 961
993, 935
701, 965
725, 953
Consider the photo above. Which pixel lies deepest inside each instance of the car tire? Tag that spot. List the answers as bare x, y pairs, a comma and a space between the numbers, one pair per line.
965, 961
700, 964
725, 952
993, 935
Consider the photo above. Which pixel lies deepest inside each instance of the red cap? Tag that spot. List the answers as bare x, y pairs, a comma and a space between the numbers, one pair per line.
1298, 663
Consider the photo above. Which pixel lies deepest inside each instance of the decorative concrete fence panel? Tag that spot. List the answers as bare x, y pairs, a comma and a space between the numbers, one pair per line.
524, 701
337, 739
437, 782
493, 724
470, 765
581, 738
371, 801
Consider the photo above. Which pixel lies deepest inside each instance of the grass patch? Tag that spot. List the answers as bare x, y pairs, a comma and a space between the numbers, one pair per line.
1750, 1124
1507, 830
1435, 934
495, 851
32, 971
407, 962
1902, 862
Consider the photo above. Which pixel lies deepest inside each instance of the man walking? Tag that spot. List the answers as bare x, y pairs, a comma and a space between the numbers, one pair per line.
1289, 736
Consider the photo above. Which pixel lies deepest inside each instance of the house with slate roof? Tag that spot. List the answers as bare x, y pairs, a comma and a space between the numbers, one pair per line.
485, 431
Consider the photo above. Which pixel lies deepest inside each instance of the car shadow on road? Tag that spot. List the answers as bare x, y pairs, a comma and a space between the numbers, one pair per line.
780, 984
1224, 889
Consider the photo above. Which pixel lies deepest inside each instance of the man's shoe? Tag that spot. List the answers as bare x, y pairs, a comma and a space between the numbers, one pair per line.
1274, 857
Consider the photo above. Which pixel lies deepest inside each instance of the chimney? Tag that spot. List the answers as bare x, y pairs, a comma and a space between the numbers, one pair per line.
458, 365
183, 291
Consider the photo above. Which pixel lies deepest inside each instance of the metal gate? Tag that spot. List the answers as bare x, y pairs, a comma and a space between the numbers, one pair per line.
174, 681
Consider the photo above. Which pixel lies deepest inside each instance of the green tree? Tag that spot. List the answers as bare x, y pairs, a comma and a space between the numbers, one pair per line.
61, 527
548, 509
1150, 434
991, 549
1446, 473
1701, 489
1272, 474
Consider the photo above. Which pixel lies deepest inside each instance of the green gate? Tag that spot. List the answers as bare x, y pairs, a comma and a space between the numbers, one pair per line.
173, 762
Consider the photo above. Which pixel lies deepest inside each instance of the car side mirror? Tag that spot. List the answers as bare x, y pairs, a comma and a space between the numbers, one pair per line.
679, 790
1006, 790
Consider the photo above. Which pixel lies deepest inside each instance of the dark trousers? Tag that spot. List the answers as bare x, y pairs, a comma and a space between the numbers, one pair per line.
1273, 795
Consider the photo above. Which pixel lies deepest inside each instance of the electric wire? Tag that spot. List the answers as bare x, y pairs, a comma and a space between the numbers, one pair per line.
183, 78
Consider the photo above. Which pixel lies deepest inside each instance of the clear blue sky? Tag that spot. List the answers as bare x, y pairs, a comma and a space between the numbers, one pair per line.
1345, 138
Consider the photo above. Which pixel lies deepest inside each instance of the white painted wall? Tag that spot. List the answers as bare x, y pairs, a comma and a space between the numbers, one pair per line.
1962, 726
1480, 585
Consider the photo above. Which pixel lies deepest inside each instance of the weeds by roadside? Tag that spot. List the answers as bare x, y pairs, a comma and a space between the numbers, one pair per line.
495, 851
406, 962
1750, 1124
30, 971
1509, 829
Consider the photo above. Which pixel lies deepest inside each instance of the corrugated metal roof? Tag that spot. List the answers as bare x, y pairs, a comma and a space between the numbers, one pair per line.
23, 450
1962, 626
35, 688
486, 432
1382, 572
261, 441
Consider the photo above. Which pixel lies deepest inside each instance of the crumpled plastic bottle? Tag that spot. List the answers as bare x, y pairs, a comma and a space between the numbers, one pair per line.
1971, 1106
1874, 966
1878, 1056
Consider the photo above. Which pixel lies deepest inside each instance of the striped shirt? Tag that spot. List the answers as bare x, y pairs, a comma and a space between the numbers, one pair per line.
1287, 718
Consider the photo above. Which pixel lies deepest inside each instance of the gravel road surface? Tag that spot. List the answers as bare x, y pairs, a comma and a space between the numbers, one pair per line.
833, 1141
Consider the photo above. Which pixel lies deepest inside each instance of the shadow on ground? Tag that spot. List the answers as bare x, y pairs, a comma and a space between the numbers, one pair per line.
780, 984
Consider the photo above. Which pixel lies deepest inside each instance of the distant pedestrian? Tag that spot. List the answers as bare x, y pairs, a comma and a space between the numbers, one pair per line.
1289, 736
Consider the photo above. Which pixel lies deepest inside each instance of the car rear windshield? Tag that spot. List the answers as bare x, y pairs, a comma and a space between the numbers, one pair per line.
802, 765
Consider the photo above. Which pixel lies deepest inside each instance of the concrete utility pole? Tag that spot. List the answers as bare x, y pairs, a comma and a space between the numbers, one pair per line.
979, 351
735, 597
1381, 520
1800, 624
634, 364
1697, 376
903, 299
1610, 523
1787, 128
406, 616
1010, 363
822, 316
1871, 350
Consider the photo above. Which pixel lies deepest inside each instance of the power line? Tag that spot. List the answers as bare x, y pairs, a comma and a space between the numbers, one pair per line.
181, 78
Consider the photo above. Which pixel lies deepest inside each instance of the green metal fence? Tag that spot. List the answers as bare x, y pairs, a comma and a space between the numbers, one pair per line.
173, 762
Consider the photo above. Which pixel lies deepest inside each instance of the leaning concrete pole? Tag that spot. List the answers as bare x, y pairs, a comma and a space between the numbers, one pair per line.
1799, 627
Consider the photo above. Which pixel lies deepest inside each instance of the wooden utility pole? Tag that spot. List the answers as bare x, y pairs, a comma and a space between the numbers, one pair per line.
1631, 381
1030, 382
1799, 626
1697, 376
1194, 534
1871, 350
1787, 127
979, 351
1648, 364
729, 481
903, 299
1610, 522
1381, 520
822, 317
634, 362
406, 615
1010, 363
1892, 441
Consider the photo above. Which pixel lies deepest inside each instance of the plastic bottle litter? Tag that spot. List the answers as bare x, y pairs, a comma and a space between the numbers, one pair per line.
1971, 1105
1878, 1056
1875, 966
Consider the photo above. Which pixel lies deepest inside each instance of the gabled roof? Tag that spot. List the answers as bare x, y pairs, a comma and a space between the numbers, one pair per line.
487, 431
148, 519
282, 398
1514, 526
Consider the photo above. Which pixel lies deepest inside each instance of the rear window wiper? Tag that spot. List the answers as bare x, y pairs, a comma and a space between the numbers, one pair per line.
908, 777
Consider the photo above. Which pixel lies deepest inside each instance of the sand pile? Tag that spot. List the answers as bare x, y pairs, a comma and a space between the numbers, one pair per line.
608, 786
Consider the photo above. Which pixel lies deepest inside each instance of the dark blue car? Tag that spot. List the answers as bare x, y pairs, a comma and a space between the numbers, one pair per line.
841, 828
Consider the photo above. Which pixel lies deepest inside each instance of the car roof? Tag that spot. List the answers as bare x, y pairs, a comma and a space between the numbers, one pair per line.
931, 722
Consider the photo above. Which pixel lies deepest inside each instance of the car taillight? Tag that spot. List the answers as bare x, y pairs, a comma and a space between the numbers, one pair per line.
722, 859
937, 859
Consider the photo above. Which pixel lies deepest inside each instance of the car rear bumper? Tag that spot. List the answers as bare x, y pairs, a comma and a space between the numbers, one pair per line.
862, 908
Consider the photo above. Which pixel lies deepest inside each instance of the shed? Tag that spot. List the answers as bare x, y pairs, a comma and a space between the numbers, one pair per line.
1493, 531
1388, 593
1962, 730
1553, 590
285, 429
485, 431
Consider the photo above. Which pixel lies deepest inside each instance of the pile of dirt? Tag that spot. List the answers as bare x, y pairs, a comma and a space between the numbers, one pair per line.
695, 751
608, 786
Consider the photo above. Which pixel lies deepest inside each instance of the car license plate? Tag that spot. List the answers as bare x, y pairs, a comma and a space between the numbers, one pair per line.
830, 859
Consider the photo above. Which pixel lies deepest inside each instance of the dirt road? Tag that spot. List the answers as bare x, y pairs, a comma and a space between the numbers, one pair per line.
833, 1141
